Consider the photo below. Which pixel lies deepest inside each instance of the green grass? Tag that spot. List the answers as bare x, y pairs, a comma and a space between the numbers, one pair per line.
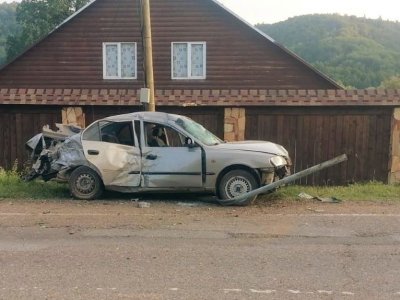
13, 187
372, 191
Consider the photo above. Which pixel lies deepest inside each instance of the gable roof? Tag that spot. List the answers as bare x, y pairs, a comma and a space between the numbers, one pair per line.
219, 4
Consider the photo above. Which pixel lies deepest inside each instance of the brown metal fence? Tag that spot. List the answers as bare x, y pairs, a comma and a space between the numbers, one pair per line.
313, 135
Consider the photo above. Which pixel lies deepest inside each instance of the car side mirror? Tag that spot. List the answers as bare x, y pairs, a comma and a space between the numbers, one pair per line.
189, 143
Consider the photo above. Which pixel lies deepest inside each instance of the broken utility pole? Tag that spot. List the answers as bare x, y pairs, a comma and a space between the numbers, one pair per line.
148, 53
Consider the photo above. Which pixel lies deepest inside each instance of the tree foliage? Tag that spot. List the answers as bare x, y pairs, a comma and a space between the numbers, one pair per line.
358, 52
391, 83
37, 18
8, 26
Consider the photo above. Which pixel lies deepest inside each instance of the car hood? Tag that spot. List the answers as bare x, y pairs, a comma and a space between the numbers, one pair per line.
255, 146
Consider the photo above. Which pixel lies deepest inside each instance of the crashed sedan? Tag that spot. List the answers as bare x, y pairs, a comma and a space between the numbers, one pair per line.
153, 152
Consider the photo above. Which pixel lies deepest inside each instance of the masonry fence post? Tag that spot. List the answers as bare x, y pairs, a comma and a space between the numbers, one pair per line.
74, 116
234, 124
394, 160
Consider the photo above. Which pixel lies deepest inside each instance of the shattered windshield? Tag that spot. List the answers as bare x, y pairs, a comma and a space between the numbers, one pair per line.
198, 131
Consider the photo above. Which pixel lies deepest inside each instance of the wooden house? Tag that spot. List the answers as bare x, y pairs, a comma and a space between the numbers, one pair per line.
208, 64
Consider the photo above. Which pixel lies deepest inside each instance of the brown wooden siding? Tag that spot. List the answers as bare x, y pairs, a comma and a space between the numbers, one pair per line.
237, 56
17, 125
313, 135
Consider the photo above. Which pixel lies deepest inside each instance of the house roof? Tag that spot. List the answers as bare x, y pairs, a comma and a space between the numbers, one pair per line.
83, 97
270, 39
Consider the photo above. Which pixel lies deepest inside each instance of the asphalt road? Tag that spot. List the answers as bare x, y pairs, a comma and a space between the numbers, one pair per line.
170, 251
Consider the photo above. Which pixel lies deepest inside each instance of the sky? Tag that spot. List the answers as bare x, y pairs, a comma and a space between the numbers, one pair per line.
272, 11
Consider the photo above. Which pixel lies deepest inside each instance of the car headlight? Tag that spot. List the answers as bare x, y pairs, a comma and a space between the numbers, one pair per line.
278, 161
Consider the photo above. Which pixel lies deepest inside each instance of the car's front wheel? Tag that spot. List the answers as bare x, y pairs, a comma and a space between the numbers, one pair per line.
235, 183
85, 184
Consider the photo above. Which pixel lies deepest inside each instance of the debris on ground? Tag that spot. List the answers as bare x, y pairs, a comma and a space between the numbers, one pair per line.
321, 199
141, 204
188, 204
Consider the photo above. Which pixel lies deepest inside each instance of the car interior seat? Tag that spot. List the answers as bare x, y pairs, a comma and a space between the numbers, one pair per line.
157, 138
109, 138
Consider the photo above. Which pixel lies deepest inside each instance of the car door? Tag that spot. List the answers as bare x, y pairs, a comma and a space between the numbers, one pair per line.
112, 147
166, 161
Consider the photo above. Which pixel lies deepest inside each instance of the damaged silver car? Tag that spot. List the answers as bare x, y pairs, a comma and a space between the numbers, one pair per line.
153, 152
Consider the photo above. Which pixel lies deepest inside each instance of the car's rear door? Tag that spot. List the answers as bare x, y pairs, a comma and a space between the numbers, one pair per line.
112, 147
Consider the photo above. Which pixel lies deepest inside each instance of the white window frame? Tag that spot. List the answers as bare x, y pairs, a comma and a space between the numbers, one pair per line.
119, 77
189, 46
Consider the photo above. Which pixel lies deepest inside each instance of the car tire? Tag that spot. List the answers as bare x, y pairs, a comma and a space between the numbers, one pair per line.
85, 184
235, 183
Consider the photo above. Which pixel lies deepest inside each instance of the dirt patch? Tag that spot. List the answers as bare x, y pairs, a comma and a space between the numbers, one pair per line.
167, 213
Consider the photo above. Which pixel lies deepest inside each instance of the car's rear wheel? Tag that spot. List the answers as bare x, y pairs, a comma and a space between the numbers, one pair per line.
85, 184
235, 183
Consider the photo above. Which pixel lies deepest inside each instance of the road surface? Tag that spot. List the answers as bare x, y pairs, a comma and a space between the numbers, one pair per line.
115, 250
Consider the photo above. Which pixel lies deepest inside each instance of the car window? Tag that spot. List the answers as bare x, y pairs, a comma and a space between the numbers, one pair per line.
158, 135
174, 138
111, 132
92, 133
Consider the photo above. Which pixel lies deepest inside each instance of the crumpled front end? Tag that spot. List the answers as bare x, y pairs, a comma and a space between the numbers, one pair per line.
54, 153
280, 168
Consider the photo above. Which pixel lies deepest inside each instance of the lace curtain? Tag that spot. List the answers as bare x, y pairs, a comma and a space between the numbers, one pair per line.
112, 60
180, 60
128, 60
197, 60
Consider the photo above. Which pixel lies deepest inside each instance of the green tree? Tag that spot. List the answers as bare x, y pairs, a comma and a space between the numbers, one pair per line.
37, 18
357, 52
391, 83
8, 26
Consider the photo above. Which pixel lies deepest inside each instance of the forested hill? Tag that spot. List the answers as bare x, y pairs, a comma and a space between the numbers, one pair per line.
357, 52
8, 26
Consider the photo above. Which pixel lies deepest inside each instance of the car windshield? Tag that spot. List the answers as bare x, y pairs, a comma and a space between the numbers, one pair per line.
198, 131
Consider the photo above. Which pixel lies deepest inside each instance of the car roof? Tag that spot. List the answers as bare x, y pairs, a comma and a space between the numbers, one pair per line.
146, 115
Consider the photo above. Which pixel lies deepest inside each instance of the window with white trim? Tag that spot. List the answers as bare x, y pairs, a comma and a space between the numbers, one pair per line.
188, 60
119, 61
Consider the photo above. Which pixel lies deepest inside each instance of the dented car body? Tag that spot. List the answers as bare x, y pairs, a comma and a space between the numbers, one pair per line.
153, 151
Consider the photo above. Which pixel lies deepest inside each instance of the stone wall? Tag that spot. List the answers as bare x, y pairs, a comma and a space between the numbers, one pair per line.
73, 116
234, 124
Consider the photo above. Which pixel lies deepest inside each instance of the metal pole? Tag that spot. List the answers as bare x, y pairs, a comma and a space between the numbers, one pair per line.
148, 53
242, 198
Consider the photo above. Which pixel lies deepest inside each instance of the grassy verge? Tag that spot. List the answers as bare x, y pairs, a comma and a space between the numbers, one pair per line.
12, 187
372, 191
